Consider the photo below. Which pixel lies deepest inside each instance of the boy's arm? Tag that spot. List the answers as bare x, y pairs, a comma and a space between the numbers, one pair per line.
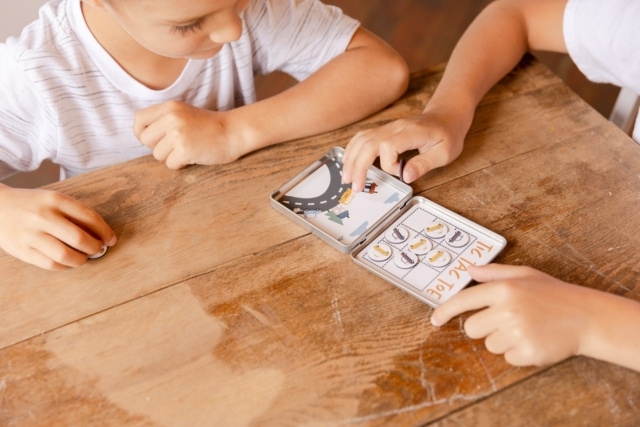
493, 45
535, 319
489, 49
365, 78
368, 76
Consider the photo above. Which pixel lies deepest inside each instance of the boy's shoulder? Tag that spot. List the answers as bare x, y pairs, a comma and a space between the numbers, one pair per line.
296, 36
46, 50
289, 10
45, 34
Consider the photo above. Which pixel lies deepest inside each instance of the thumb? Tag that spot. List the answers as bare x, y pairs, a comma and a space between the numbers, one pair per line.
436, 156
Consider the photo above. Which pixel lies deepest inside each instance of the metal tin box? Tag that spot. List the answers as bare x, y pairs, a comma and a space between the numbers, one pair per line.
412, 242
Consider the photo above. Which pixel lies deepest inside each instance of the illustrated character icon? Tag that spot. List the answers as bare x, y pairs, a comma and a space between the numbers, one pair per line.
340, 211
370, 187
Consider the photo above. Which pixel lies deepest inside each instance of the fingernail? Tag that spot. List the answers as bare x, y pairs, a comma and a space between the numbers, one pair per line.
112, 241
409, 175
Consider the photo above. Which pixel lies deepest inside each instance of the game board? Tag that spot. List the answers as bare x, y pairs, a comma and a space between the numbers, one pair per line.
426, 251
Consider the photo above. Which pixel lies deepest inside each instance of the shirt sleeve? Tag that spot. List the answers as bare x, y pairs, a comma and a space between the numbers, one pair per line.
296, 36
602, 40
25, 125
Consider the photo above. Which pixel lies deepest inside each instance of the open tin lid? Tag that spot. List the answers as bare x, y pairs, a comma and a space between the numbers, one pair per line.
317, 200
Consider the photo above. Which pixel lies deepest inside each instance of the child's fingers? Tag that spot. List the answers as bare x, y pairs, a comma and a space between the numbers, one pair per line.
478, 297
392, 148
163, 149
152, 135
59, 254
482, 324
36, 257
74, 238
174, 160
358, 176
160, 137
81, 227
467, 300
497, 272
498, 341
166, 112
146, 117
433, 154
361, 157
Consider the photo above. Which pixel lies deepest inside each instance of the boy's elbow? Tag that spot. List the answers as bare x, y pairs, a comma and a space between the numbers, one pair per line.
383, 63
398, 75
394, 75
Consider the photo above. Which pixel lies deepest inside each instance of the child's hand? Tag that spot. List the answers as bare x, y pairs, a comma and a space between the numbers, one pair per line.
49, 229
530, 317
434, 134
180, 135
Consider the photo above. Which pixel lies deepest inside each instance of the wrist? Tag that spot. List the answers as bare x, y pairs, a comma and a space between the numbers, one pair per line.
245, 131
456, 116
610, 332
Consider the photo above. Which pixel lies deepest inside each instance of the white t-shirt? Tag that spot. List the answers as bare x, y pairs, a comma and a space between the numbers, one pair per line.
603, 40
63, 98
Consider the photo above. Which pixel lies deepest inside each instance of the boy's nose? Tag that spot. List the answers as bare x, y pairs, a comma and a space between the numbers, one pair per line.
230, 31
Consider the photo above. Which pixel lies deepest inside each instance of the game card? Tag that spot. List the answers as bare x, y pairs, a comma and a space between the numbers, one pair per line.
322, 204
426, 251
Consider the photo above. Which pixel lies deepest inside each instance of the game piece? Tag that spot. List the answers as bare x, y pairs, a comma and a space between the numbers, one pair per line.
396, 234
420, 245
436, 230
457, 238
438, 257
100, 254
380, 252
406, 259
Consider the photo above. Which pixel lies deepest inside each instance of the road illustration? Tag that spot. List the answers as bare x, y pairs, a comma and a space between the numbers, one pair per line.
327, 200
323, 201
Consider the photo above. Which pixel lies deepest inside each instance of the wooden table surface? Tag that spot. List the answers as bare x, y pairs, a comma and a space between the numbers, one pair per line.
216, 310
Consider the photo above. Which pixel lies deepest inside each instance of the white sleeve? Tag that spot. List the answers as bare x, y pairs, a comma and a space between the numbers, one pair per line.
26, 127
296, 36
602, 40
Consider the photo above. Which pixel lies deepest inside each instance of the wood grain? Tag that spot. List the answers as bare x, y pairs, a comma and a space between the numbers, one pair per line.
213, 309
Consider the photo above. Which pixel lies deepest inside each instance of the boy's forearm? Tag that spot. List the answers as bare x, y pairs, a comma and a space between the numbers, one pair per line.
494, 44
359, 82
612, 334
488, 50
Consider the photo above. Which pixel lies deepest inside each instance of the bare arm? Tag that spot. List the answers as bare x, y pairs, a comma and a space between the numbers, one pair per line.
489, 49
494, 44
368, 76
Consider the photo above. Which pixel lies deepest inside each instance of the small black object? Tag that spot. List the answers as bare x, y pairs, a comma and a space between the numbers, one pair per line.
400, 173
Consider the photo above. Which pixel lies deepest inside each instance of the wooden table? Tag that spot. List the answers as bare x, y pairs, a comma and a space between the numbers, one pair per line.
216, 310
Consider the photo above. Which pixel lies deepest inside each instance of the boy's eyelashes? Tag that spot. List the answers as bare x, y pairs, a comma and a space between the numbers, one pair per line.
192, 27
